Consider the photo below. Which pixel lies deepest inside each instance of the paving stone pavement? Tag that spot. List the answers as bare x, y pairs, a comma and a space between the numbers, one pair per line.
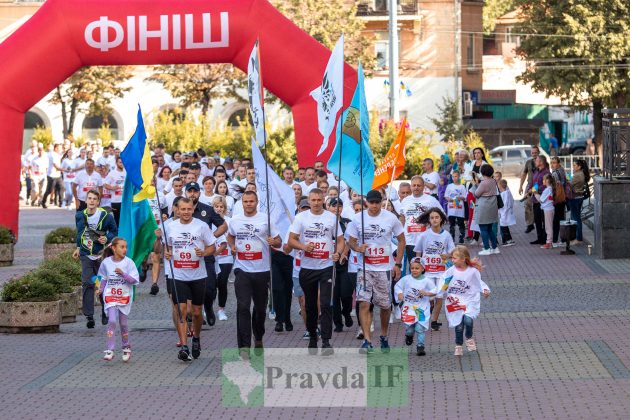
553, 342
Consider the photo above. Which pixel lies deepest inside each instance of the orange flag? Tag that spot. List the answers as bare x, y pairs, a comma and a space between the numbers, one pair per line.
393, 163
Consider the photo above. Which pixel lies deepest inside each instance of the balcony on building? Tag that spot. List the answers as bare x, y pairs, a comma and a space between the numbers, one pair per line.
378, 8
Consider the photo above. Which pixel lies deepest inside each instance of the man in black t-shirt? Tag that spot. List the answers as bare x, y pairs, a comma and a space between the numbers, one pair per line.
218, 226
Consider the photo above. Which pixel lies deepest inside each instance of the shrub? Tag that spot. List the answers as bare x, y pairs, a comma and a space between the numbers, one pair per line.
62, 235
57, 279
29, 288
66, 267
6, 237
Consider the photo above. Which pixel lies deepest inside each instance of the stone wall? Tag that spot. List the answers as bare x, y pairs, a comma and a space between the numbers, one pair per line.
612, 218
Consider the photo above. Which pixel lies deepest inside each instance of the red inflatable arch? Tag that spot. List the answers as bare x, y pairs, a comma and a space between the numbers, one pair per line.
65, 35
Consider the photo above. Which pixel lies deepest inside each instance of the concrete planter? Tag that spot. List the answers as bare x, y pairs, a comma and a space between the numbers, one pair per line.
6, 255
79, 292
53, 250
68, 307
30, 317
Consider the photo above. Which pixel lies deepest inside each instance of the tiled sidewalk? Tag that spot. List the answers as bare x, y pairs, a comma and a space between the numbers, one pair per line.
553, 342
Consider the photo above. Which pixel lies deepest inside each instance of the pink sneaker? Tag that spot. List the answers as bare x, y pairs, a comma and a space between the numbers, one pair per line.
547, 246
459, 351
471, 345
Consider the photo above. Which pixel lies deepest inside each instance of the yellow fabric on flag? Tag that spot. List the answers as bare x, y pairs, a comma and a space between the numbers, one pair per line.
146, 168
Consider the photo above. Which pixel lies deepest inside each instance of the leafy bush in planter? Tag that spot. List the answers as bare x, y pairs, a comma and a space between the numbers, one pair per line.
29, 288
6, 237
66, 267
62, 235
57, 279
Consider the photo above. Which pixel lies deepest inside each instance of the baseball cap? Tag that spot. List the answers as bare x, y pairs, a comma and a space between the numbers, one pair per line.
336, 201
304, 204
374, 197
192, 186
228, 160
195, 165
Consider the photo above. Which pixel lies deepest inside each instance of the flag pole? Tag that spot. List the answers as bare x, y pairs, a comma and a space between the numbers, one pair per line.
362, 203
391, 182
334, 273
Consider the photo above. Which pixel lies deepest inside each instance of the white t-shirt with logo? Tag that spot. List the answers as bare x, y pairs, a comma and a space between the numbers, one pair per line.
116, 178
250, 236
184, 238
54, 158
117, 291
226, 256
353, 257
462, 294
432, 245
318, 229
307, 188
416, 308
86, 183
456, 207
68, 166
378, 233
431, 178
39, 166
412, 208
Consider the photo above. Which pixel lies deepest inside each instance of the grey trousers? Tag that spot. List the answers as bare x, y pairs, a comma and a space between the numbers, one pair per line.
529, 212
89, 268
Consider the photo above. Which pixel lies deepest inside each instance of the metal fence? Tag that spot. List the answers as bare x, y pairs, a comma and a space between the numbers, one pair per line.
616, 142
593, 162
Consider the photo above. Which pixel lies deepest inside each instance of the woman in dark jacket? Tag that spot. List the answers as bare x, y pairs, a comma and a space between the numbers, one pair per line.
579, 188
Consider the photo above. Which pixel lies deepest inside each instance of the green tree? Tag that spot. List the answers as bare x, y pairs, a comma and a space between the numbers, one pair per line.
448, 123
196, 85
326, 21
578, 50
494, 9
90, 90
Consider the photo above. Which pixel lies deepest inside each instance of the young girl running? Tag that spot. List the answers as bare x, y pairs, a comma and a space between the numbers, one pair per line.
118, 273
434, 246
224, 259
413, 292
462, 286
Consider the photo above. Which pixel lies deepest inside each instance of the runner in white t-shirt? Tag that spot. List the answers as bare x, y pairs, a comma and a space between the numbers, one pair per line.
371, 237
114, 183
189, 240
434, 246
85, 181
412, 207
314, 233
69, 174
431, 178
250, 238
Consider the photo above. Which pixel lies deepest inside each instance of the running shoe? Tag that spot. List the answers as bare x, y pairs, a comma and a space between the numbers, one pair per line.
435, 326
306, 335
312, 346
420, 351
109, 355
104, 319
547, 246
288, 326
348, 320
259, 348
126, 354
184, 354
90, 322
459, 351
360, 334
471, 345
408, 340
366, 347
486, 252
327, 349
496, 250
210, 318
384, 344
279, 327
222, 316
557, 244
509, 243
196, 347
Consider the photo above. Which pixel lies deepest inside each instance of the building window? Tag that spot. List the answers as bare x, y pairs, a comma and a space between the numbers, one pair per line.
470, 52
92, 124
381, 50
237, 118
510, 38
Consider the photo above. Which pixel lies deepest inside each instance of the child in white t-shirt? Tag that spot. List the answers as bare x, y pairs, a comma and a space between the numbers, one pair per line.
506, 213
461, 287
455, 196
413, 292
547, 206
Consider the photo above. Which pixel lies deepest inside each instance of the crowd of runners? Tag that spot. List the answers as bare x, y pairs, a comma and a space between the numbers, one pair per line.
402, 250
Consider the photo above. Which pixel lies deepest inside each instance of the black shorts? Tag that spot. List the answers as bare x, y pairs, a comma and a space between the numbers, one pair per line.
193, 290
169, 285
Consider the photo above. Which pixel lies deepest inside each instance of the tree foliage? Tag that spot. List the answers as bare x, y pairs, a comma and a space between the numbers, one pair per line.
578, 50
90, 90
326, 21
196, 85
448, 123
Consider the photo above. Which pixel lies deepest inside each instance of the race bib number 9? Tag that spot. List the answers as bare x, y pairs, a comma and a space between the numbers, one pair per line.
249, 251
321, 251
185, 258
377, 255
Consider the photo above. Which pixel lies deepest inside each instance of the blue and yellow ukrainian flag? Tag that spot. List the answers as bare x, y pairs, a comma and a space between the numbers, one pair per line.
137, 223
